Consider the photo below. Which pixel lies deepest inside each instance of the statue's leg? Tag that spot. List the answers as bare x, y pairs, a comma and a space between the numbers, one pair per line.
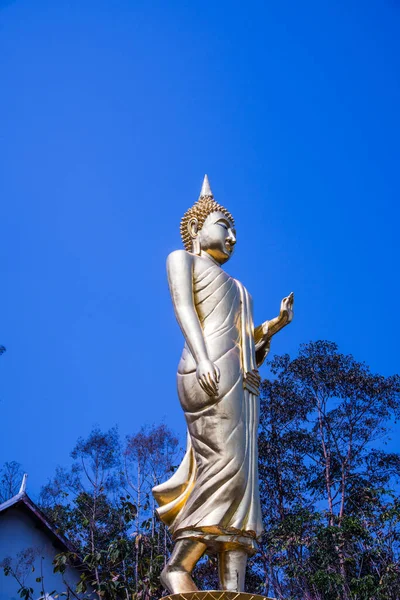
176, 575
232, 570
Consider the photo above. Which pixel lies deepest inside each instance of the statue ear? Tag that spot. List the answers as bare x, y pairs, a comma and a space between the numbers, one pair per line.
193, 228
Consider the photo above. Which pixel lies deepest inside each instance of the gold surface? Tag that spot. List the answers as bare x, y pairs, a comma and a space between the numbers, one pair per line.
215, 595
212, 503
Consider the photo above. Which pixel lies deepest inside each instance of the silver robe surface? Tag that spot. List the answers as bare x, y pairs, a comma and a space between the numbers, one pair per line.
213, 496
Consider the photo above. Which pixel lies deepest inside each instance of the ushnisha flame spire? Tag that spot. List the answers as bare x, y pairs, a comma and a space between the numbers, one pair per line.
200, 210
206, 189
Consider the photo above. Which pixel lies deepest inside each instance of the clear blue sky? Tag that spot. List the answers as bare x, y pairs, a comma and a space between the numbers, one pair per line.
111, 113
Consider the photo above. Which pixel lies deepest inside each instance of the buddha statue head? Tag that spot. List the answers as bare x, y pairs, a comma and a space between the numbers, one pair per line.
208, 227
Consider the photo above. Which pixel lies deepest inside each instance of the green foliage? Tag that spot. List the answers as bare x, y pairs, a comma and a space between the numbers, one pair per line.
104, 505
329, 493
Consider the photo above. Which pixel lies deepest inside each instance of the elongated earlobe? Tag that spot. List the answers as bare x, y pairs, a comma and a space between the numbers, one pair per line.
193, 228
196, 246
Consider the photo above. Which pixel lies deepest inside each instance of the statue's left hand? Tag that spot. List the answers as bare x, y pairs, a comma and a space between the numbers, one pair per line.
286, 311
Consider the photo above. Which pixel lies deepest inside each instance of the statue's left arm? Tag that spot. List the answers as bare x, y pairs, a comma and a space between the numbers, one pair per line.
264, 332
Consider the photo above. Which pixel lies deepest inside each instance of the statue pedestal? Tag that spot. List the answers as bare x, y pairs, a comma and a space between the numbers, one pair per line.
215, 595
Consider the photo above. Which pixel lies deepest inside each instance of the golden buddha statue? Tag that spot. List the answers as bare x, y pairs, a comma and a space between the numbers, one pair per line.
211, 503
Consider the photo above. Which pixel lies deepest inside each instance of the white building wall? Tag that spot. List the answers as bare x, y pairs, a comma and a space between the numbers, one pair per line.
19, 531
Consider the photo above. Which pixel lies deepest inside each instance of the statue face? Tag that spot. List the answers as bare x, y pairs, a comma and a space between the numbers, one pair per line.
217, 237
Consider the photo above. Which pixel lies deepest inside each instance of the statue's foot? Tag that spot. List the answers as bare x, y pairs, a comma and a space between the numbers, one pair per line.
177, 582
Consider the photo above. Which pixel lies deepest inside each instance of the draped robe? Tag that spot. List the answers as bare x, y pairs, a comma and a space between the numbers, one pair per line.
214, 496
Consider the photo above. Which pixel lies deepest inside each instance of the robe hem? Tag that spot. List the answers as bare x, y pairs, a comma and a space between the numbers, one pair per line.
218, 539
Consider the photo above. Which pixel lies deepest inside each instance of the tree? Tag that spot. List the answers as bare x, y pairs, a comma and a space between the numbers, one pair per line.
104, 505
83, 502
149, 456
329, 491
10, 480
331, 512
20, 568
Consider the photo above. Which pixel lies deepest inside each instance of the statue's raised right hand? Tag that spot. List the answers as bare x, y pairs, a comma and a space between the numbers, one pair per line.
208, 377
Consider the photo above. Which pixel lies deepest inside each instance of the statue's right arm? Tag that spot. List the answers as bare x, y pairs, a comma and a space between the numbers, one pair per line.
180, 280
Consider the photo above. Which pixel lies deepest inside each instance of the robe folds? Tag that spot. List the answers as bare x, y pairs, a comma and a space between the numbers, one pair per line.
214, 496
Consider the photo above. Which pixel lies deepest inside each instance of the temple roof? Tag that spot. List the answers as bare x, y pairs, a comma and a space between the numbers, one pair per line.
22, 502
